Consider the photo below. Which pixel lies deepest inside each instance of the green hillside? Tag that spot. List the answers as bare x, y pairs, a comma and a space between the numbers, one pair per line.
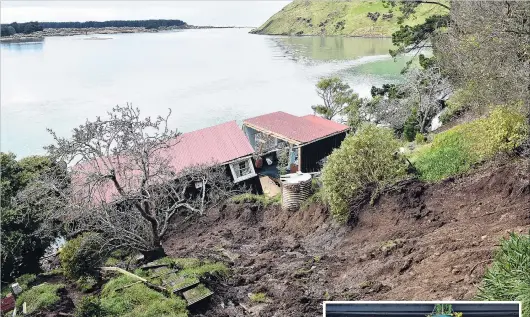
340, 17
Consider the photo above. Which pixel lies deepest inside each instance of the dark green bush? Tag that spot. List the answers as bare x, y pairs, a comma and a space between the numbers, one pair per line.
410, 128
368, 158
508, 278
419, 138
81, 256
22, 243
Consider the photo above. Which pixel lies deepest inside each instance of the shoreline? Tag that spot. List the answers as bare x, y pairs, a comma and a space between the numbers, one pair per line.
323, 35
40, 35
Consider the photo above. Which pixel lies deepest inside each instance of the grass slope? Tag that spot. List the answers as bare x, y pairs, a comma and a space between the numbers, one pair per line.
339, 17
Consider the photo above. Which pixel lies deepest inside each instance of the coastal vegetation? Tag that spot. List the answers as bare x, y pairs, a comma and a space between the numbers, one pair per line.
26, 28
347, 18
456, 150
148, 24
32, 27
24, 239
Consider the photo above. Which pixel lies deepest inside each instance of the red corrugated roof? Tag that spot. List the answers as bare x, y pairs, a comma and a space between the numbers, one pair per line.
214, 145
302, 129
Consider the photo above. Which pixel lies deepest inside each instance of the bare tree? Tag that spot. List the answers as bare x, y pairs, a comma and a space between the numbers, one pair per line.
124, 184
485, 51
424, 90
392, 112
421, 93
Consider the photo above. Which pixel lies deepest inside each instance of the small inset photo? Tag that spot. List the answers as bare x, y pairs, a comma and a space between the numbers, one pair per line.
422, 309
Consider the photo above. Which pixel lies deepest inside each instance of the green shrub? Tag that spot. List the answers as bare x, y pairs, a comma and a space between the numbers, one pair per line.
26, 280
86, 283
22, 243
89, 306
367, 158
419, 138
508, 277
40, 297
53, 272
138, 300
410, 127
81, 256
456, 150
283, 161
5, 290
112, 261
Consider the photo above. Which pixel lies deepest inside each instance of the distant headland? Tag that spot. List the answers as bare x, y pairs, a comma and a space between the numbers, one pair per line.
33, 31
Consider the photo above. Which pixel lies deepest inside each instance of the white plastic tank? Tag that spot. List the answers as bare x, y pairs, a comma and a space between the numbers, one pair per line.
296, 188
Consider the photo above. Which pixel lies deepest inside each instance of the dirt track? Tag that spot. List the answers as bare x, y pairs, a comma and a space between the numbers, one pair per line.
420, 242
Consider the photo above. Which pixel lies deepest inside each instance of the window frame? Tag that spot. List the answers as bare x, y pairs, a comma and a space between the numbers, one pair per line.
235, 164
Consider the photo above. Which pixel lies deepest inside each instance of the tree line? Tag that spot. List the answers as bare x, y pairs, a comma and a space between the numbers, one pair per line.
30, 27
25, 28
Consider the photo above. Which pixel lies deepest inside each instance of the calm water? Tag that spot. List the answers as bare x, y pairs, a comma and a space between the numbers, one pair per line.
205, 76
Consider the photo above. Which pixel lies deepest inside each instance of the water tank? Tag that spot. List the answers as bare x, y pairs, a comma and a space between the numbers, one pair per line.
296, 188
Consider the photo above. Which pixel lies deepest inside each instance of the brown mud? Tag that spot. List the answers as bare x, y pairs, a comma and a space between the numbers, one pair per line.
417, 242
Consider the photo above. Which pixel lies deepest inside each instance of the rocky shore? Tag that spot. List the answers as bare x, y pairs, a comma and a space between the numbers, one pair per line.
40, 35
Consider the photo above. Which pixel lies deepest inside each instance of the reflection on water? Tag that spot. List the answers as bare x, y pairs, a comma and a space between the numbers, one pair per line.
27, 45
333, 48
205, 76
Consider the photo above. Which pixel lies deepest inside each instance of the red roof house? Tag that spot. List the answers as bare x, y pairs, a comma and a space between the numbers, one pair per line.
309, 138
223, 144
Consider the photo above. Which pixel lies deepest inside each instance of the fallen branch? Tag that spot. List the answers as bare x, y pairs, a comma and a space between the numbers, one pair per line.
141, 279
127, 286
122, 271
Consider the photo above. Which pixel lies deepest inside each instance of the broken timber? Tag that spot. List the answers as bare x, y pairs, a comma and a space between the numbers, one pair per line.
122, 271
197, 294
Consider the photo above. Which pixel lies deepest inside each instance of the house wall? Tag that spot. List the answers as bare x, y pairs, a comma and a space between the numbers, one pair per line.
314, 152
251, 136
